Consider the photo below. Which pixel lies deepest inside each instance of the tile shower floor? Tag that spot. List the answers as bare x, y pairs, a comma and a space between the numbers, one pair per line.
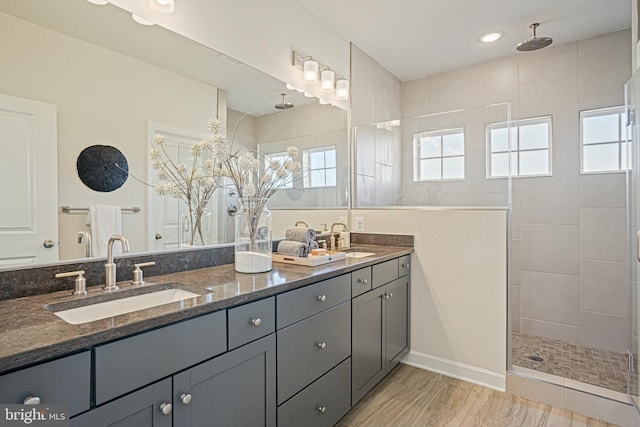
574, 361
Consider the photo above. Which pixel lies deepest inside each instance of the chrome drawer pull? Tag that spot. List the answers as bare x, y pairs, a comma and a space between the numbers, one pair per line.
363, 281
185, 398
407, 265
322, 409
256, 322
322, 345
322, 298
32, 400
166, 408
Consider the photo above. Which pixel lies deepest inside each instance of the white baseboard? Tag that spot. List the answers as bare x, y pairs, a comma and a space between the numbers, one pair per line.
457, 370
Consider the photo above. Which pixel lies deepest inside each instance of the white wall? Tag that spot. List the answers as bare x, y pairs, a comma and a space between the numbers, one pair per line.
259, 33
458, 288
103, 98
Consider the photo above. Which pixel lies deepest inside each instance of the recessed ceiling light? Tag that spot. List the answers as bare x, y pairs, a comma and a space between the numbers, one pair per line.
491, 36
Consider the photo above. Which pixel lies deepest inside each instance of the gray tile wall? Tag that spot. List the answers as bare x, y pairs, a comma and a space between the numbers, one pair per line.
568, 279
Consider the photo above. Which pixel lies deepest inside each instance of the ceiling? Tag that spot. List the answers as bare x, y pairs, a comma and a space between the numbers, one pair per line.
417, 38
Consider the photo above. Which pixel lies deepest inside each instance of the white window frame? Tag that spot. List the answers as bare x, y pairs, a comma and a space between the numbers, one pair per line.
306, 181
516, 124
281, 157
621, 142
437, 133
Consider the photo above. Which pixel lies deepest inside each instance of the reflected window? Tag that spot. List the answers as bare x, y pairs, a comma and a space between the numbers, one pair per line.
438, 155
319, 165
524, 148
603, 140
280, 158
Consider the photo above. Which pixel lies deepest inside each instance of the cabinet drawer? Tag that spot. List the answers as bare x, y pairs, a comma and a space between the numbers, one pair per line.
321, 404
385, 272
360, 281
304, 302
251, 321
404, 267
65, 381
310, 348
130, 363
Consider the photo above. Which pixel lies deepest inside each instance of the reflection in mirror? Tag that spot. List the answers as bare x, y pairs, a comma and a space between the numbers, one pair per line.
104, 80
431, 160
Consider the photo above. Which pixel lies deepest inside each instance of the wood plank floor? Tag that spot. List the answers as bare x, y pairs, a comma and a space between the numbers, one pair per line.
412, 397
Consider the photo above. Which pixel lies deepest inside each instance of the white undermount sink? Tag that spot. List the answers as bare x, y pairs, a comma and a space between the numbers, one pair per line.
359, 254
104, 310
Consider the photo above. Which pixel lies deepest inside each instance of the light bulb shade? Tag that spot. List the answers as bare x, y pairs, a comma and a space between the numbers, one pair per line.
98, 2
310, 71
342, 89
326, 81
163, 6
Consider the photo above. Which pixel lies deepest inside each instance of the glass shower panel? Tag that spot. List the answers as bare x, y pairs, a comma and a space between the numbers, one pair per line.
632, 97
437, 159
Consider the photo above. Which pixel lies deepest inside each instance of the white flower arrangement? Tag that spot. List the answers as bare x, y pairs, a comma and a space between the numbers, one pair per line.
252, 177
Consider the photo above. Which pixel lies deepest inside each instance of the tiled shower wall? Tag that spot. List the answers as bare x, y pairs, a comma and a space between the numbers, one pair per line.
568, 274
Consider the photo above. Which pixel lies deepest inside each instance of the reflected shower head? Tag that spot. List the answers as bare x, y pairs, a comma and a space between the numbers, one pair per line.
284, 105
535, 42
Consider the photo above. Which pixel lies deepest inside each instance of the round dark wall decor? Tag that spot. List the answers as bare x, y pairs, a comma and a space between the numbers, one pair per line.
102, 168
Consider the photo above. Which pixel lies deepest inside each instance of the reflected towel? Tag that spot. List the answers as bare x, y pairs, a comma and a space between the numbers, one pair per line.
291, 248
313, 245
105, 221
300, 234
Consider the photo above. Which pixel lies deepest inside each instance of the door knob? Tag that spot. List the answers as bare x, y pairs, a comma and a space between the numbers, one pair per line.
158, 236
185, 398
166, 408
48, 243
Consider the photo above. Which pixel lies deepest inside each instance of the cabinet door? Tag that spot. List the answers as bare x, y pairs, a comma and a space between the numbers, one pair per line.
142, 408
235, 389
396, 321
368, 364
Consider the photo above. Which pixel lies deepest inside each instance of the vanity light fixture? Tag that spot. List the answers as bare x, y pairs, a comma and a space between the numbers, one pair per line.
142, 21
99, 2
342, 88
308, 95
323, 102
310, 71
491, 36
162, 6
327, 80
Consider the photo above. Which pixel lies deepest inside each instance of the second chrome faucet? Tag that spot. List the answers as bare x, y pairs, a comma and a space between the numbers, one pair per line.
110, 266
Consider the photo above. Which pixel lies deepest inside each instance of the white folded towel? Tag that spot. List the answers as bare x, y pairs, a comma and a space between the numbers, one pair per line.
105, 221
300, 234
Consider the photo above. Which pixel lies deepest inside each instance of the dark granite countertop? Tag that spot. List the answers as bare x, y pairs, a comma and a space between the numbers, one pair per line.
30, 333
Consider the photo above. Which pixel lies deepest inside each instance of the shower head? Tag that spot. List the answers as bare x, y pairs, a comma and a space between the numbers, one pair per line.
284, 105
535, 42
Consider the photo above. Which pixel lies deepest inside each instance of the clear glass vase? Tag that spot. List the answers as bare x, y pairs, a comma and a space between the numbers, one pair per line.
253, 236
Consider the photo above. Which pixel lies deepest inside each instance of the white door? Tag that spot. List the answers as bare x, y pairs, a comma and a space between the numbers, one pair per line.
29, 182
166, 220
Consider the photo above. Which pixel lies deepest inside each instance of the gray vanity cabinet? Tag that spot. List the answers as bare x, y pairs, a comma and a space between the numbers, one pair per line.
237, 388
147, 407
380, 320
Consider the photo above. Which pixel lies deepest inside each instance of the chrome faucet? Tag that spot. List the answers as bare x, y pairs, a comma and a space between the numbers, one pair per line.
85, 236
110, 266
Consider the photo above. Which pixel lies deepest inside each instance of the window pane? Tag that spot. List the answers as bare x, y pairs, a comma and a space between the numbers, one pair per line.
600, 158
316, 159
600, 129
534, 162
430, 169
499, 140
500, 164
330, 177
453, 168
330, 158
430, 147
453, 145
316, 178
534, 136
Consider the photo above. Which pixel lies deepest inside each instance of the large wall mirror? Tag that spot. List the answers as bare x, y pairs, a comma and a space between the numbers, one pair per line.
90, 76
